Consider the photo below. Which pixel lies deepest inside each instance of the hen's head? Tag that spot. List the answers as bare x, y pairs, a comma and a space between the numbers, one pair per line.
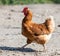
25, 10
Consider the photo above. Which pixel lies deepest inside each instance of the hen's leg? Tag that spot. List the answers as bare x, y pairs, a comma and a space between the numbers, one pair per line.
44, 48
28, 42
24, 46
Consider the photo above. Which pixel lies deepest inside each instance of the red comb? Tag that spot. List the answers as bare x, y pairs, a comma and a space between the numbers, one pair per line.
25, 8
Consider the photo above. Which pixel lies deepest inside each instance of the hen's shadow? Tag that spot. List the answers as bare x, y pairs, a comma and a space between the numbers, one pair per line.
16, 49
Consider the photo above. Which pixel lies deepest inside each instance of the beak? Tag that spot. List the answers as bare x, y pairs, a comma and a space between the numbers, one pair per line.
22, 11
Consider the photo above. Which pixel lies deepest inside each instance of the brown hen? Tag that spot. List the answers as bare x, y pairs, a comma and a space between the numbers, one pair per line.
34, 32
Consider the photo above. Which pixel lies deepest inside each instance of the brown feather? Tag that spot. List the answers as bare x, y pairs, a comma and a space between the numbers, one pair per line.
36, 32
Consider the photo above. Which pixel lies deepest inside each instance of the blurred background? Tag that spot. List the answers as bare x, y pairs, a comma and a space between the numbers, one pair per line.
14, 2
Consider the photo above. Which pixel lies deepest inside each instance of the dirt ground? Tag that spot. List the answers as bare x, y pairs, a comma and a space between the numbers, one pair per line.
10, 30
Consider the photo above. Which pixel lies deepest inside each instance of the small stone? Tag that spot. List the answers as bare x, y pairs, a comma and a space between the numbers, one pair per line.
0, 51
24, 54
9, 17
58, 52
58, 25
12, 10
13, 54
8, 55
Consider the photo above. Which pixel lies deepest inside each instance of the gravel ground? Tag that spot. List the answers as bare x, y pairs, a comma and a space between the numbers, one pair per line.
10, 30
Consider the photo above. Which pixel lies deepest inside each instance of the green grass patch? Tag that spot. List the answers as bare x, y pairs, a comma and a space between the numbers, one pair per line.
14, 2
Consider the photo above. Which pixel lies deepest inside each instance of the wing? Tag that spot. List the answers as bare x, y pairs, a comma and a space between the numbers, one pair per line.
37, 29
27, 28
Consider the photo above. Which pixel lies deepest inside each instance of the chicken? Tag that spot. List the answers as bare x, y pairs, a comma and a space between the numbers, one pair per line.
39, 33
